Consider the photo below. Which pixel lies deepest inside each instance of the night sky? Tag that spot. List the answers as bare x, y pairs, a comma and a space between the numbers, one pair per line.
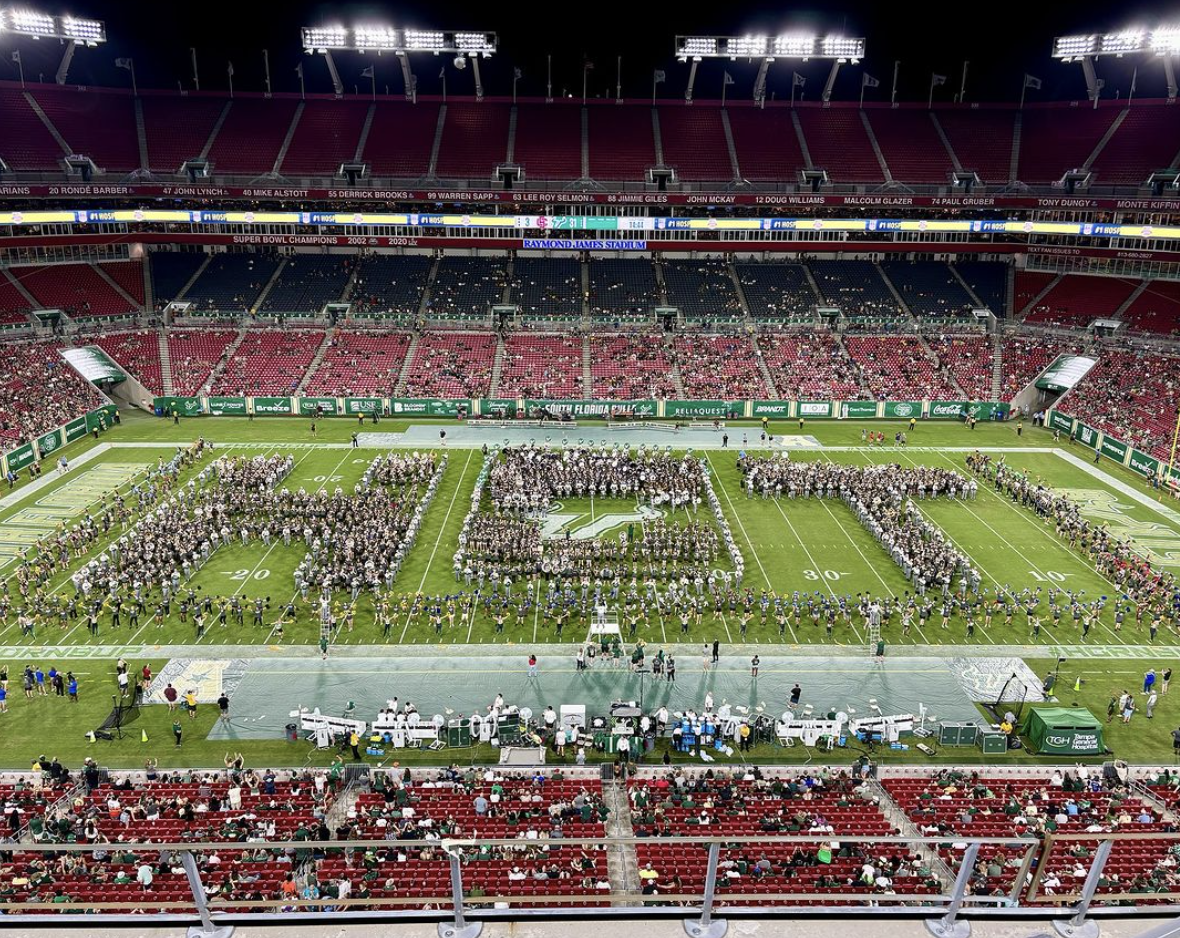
1002, 40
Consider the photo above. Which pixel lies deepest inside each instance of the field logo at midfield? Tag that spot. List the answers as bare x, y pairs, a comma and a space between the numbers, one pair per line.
556, 522
1159, 542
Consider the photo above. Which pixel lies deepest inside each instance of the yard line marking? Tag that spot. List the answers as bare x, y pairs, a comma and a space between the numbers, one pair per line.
438, 540
266, 641
1075, 557
736, 517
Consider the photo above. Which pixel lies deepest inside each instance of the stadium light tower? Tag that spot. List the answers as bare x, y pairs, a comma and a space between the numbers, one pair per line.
838, 49
465, 46
71, 30
1163, 43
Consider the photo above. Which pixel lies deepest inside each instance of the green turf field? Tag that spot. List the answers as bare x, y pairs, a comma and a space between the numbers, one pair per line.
810, 546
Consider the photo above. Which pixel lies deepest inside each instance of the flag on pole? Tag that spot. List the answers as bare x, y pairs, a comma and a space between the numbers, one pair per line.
442, 72
660, 76
587, 64
123, 63
299, 69
728, 79
1134, 79
516, 74
1032, 82
868, 81
230, 70
368, 72
937, 80
797, 80
16, 56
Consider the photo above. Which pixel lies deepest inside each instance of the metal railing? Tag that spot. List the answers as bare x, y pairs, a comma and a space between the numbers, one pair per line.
946, 908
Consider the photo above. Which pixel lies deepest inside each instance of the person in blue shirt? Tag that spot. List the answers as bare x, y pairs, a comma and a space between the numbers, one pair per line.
72, 686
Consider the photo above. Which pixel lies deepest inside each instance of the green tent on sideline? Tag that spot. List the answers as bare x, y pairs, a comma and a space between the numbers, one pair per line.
1062, 731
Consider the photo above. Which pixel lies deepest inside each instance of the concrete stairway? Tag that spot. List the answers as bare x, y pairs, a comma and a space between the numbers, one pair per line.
762, 367
165, 362
587, 375
117, 288
997, 366
219, 368
404, 375
497, 367
315, 362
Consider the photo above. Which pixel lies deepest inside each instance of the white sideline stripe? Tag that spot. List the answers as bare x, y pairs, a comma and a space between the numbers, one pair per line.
1119, 486
16, 496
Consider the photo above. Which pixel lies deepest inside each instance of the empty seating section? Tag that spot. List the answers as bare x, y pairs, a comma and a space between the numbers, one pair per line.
14, 308
911, 146
28, 144
1029, 284
977, 805
988, 280
193, 354
452, 365
622, 143
547, 289
622, 290
777, 292
401, 138
694, 143
99, 125
1055, 140
360, 364
269, 362
1156, 309
766, 143
968, 359
1131, 395
630, 367
76, 288
1148, 139
897, 367
326, 136
812, 366
1078, 301
838, 143
307, 282
474, 141
1026, 357
718, 368
929, 289
982, 141
465, 288
138, 353
177, 128
703, 290
251, 136
39, 391
129, 276
390, 286
857, 289
171, 272
231, 283
549, 141
541, 366
751, 804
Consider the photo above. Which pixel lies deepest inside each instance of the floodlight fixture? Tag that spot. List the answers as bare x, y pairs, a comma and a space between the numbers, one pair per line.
1163, 40
385, 38
38, 25
795, 45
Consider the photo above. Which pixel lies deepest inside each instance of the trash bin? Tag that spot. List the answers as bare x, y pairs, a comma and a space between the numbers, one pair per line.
292, 733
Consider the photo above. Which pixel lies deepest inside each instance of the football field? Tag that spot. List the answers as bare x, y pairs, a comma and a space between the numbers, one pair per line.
812, 547
803, 550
